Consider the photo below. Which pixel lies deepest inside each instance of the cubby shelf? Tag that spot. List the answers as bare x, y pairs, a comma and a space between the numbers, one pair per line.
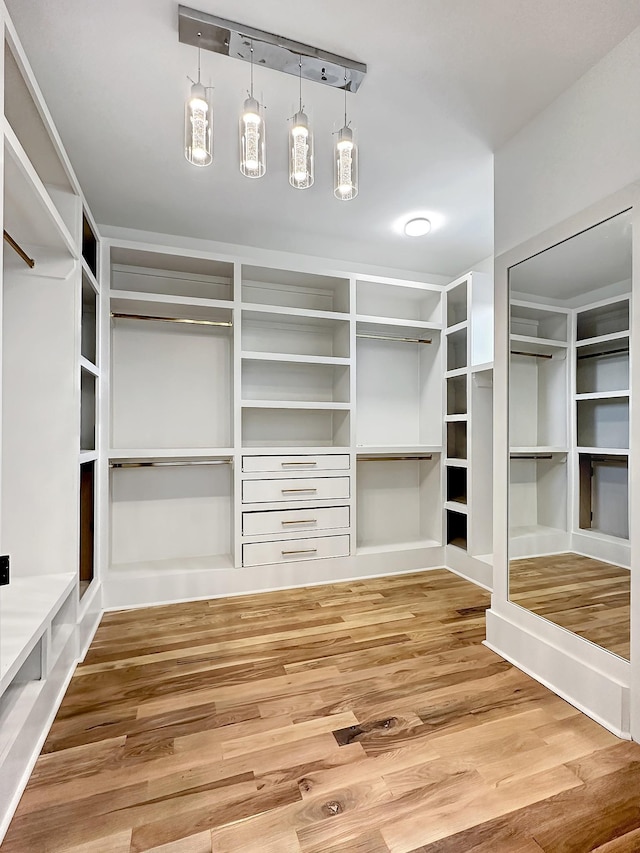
88, 272
132, 454
456, 506
260, 308
365, 321
533, 449
604, 451
602, 339
288, 358
602, 395
397, 449
459, 371
89, 365
543, 346
457, 327
455, 418
27, 607
293, 404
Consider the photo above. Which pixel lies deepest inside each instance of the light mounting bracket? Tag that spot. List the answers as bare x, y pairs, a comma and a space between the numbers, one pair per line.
272, 51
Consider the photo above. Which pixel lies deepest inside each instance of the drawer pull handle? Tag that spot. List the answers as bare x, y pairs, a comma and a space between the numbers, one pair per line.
286, 491
302, 551
301, 521
284, 464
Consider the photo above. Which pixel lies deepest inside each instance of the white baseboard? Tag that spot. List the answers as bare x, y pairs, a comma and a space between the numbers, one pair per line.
469, 568
585, 685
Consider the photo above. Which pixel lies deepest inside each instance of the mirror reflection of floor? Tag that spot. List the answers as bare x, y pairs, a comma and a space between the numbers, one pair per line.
588, 597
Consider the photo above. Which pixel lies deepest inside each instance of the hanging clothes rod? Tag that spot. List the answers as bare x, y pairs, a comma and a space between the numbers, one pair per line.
18, 250
391, 338
610, 460
531, 456
531, 354
171, 463
416, 458
119, 316
606, 352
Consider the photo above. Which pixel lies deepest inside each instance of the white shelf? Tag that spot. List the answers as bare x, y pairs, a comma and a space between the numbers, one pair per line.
482, 368
458, 327
293, 450
88, 456
132, 296
456, 506
288, 358
459, 371
27, 606
85, 364
294, 404
143, 453
456, 418
450, 462
539, 449
603, 395
303, 313
88, 272
397, 450
603, 339
397, 546
393, 323
149, 569
604, 451
31, 217
543, 346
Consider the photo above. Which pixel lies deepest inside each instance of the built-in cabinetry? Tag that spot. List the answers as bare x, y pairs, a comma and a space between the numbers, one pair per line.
468, 405
49, 392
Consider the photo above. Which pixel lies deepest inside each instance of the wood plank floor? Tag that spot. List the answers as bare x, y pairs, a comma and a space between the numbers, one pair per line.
363, 717
590, 598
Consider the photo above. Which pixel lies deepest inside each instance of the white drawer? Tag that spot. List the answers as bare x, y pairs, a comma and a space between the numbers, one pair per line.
293, 520
296, 464
293, 550
302, 489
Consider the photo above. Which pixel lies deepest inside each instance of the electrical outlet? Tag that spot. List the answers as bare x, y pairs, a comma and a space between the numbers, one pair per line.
4, 570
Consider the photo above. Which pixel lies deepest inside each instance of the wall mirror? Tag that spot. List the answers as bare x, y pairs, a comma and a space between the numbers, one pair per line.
569, 551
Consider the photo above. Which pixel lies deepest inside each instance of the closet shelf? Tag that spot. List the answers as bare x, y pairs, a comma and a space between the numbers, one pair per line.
293, 450
304, 313
85, 364
459, 371
603, 395
544, 346
88, 273
27, 607
294, 404
457, 327
539, 449
169, 453
165, 306
88, 456
130, 296
398, 449
294, 359
604, 451
31, 217
602, 339
363, 321
456, 506
456, 418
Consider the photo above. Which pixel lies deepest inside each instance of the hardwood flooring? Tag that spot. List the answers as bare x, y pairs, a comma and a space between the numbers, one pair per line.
363, 717
590, 598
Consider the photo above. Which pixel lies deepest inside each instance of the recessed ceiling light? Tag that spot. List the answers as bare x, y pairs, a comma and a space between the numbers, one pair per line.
417, 227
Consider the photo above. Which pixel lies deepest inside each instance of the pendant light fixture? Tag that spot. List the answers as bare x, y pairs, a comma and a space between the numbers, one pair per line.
300, 146
345, 159
198, 124
253, 163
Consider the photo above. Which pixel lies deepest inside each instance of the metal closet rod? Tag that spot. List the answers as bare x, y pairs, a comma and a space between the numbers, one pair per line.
531, 354
188, 320
391, 338
531, 456
416, 458
171, 464
18, 249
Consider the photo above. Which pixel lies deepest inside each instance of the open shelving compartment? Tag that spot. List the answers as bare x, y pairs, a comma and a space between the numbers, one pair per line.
398, 386
404, 303
398, 502
602, 365
604, 493
538, 494
289, 289
457, 305
171, 515
27, 131
609, 318
540, 322
538, 395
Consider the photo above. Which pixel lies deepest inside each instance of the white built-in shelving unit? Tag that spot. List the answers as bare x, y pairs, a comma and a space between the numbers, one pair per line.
50, 393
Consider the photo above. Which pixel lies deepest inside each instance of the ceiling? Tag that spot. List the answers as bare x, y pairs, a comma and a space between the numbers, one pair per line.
449, 81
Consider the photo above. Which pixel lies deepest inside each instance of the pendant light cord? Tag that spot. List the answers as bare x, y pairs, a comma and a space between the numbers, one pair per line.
345, 96
300, 78
251, 93
199, 52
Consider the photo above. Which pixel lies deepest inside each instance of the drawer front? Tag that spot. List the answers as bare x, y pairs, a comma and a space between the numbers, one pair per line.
292, 520
296, 464
293, 550
303, 489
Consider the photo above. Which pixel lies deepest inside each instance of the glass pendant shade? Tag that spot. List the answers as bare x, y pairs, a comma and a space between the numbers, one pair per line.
345, 162
300, 152
198, 127
253, 163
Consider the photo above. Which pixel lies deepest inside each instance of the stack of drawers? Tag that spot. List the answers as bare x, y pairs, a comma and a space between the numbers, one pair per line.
295, 508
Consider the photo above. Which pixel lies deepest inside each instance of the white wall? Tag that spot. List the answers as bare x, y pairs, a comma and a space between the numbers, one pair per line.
581, 148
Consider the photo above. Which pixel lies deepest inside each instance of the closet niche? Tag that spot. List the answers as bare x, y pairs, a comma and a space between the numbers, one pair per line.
569, 444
